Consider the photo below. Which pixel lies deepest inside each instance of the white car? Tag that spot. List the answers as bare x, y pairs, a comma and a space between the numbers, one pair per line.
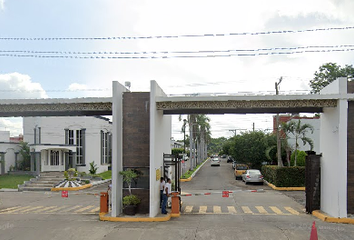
215, 162
252, 176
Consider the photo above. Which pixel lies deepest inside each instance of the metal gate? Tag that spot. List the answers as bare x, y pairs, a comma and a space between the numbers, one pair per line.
172, 161
313, 182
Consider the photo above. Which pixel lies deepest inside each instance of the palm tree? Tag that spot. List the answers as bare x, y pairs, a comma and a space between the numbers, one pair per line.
299, 131
203, 135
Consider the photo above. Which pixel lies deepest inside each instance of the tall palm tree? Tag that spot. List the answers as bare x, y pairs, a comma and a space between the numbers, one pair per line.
299, 131
203, 135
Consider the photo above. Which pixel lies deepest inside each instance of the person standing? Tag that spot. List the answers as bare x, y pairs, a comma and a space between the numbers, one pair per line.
166, 194
162, 187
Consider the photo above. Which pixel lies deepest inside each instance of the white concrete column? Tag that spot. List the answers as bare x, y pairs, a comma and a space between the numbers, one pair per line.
160, 135
333, 146
117, 147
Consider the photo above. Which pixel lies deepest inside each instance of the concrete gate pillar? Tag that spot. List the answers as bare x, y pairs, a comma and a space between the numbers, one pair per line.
333, 146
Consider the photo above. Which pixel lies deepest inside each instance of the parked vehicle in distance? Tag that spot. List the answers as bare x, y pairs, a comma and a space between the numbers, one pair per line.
229, 159
239, 170
234, 164
223, 156
215, 161
252, 176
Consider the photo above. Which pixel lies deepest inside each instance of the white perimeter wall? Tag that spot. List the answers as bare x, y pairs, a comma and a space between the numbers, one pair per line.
333, 146
160, 135
9, 149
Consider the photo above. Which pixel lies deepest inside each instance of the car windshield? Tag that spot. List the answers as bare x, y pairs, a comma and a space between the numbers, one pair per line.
241, 167
215, 159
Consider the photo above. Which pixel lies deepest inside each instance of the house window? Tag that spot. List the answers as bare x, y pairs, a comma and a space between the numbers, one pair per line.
106, 147
80, 147
69, 137
54, 158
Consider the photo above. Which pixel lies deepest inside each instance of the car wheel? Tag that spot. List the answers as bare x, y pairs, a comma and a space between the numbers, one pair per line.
246, 182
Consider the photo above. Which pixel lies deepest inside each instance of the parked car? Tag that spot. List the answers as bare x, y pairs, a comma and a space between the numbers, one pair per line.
223, 156
239, 170
252, 176
234, 164
229, 159
215, 162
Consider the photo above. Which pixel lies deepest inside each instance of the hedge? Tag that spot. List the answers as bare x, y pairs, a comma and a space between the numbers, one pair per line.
284, 176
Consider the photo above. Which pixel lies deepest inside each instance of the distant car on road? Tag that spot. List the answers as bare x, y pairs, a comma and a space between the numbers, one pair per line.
234, 164
223, 156
239, 170
215, 161
229, 159
252, 176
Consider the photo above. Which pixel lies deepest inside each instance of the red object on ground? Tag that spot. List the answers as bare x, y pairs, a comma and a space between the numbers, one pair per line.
64, 194
314, 232
104, 202
225, 193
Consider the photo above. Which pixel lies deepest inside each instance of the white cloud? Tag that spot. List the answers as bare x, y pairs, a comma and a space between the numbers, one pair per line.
77, 86
14, 125
19, 86
2, 6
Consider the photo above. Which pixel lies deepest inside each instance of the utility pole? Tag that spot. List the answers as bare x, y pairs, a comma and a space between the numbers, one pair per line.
235, 130
280, 161
253, 127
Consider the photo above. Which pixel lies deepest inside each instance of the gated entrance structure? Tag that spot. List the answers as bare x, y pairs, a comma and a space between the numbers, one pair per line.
142, 131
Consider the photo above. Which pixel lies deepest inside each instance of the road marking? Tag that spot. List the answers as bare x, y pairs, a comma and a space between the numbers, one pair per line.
246, 209
292, 211
95, 210
72, 208
8, 209
44, 209
202, 209
231, 209
261, 210
15, 210
276, 210
56, 209
216, 209
30, 209
188, 209
83, 209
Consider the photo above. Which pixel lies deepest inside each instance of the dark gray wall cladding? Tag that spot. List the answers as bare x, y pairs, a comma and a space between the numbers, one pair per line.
136, 140
350, 152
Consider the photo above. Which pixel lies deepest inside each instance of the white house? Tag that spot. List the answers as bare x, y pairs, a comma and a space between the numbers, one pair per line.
59, 143
8, 152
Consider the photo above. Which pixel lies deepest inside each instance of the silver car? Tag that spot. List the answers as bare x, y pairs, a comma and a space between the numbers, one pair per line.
215, 161
252, 176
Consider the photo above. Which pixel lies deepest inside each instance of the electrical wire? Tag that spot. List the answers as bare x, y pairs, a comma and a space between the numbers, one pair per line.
176, 36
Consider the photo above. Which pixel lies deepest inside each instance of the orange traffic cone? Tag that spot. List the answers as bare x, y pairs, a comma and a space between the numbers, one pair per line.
314, 232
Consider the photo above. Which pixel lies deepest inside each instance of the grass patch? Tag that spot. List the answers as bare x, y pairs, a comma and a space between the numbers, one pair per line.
106, 175
190, 172
11, 181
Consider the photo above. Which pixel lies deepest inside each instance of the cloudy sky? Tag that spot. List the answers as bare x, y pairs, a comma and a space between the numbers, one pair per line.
43, 72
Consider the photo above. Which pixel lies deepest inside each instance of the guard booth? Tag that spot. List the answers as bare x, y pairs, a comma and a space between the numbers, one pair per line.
172, 170
313, 181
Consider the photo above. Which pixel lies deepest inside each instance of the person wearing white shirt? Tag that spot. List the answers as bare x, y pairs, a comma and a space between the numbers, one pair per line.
166, 194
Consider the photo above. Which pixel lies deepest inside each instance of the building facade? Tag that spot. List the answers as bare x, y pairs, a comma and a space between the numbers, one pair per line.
60, 143
8, 152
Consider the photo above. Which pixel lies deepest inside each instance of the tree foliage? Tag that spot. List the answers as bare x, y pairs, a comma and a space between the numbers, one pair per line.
250, 147
329, 72
25, 154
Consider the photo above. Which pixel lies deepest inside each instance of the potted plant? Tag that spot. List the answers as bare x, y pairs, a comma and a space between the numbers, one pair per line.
130, 201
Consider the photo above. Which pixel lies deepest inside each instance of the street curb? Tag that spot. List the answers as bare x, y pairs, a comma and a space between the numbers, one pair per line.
103, 217
321, 215
284, 188
8, 190
71, 188
191, 177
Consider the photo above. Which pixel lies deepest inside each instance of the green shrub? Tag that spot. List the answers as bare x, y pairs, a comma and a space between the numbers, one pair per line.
130, 200
301, 158
93, 168
284, 176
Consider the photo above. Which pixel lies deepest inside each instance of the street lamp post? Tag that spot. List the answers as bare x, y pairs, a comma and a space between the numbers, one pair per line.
184, 137
280, 161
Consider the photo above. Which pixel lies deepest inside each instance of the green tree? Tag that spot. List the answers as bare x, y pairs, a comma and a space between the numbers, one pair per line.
299, 131
329, 72
216, 144
25, 154
301, 158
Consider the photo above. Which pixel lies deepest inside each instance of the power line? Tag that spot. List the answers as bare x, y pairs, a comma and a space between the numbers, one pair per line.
175, 36
177, 52
176, 56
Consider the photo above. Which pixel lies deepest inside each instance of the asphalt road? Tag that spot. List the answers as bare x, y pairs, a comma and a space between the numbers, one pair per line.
243, 215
